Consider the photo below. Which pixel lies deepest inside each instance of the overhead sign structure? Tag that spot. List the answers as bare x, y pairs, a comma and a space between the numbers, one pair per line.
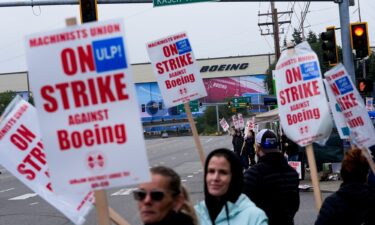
194, 105
303, 107
338, 117
352, 106
85, 96
23, 154
241, 102
176, 69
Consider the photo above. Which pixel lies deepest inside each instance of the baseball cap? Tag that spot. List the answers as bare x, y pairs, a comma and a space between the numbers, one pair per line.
266, 139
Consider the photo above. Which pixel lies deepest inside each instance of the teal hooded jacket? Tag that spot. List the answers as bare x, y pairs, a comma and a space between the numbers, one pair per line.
242, 212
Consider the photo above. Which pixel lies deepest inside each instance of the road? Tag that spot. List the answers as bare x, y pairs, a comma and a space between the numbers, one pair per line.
20, 206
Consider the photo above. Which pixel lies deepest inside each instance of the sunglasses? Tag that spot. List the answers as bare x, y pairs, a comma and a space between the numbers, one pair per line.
156, 196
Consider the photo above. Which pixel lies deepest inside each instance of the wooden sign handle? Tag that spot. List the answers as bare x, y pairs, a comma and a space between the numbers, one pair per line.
369, 159
116, 218
314, 176
101, 206
195, 133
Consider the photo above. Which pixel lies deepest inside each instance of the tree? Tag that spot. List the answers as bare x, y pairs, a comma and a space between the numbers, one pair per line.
311, 37
296, 37
5, 99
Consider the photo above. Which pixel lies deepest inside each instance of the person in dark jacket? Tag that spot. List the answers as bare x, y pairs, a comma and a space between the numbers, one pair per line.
249, 145
290, 148
237, 141
354, 202
161, 201
271, 183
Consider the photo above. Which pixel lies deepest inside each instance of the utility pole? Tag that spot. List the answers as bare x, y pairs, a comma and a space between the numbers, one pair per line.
347, 53
275, 26
275, 21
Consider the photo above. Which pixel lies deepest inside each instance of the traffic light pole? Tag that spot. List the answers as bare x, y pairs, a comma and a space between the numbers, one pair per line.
347, 53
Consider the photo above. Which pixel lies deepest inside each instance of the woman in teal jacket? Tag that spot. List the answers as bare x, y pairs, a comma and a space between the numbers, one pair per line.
224, 204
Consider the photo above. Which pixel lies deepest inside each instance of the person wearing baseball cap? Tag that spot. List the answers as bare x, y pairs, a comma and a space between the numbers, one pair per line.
272, 184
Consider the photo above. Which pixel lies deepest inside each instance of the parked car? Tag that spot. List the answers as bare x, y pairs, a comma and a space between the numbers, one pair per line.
164, 135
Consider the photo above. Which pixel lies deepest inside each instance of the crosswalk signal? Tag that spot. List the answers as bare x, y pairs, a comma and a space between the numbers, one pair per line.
330, 52
88, 10
359, 39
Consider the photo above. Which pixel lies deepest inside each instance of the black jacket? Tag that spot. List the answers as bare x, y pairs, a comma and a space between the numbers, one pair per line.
273, 186
352, 204
174, 218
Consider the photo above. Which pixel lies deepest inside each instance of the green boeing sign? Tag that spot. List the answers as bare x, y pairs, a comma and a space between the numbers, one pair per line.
175, 2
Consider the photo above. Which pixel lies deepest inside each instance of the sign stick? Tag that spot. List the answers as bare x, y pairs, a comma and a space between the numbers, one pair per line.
369, 159
195, 133
116, 218
314, 176
101, 206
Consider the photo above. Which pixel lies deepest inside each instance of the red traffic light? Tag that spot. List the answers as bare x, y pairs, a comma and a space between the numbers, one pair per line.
359, 31
359, 39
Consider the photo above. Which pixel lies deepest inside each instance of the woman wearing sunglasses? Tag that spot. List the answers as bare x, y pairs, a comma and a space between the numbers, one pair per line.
224, 204
162, 201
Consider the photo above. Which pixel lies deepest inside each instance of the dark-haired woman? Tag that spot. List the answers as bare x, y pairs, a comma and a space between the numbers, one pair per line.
224, 204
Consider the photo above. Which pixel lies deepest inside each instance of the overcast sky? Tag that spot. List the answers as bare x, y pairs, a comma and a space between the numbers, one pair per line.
214, 29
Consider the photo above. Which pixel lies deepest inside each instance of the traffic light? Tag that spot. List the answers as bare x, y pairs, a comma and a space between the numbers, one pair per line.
88, 10
143, 108
229, 104
359, 39
330, 52
160, 105
200, 104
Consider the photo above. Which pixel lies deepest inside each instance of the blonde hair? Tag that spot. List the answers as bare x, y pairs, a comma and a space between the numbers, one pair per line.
187, 208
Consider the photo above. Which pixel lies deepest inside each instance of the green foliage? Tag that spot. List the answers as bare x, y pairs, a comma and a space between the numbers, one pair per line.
296, 37
311, 37
5, 99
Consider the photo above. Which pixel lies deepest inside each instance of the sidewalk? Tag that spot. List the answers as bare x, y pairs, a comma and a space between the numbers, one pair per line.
325, 186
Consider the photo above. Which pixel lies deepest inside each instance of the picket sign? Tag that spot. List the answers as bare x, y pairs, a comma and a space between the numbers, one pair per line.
250, 125
224, 124
303, 107
236, 124
241, 122
102, 215
178, 76
350, 102
338, 117
22, 153
86, 97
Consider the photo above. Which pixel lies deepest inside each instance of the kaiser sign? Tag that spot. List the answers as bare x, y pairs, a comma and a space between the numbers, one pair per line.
303, 107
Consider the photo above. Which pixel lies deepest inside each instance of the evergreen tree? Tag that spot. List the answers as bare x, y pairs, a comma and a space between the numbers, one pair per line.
311, 37
297, 37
